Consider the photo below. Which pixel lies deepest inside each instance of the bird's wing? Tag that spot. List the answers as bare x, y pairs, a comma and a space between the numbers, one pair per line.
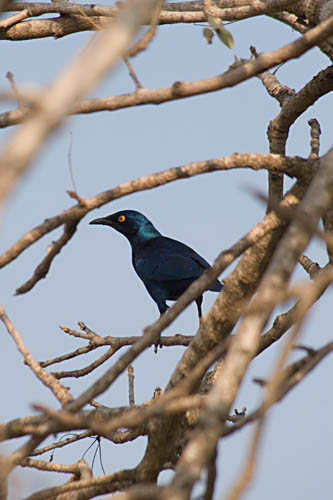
166, 259
174, 267
179, 248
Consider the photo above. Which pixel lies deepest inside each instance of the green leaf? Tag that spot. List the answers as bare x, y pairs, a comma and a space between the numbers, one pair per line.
208, 34
224, 35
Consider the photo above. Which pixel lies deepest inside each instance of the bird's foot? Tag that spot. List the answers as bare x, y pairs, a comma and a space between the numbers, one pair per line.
158, 344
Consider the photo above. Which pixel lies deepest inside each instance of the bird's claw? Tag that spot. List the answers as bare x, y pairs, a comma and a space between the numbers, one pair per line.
158, 344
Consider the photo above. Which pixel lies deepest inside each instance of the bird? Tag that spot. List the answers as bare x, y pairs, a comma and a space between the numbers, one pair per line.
166, 266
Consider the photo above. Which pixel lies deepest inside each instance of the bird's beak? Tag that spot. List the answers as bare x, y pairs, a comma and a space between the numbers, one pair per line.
102, 220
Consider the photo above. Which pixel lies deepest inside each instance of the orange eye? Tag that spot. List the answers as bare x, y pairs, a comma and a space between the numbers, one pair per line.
121, 218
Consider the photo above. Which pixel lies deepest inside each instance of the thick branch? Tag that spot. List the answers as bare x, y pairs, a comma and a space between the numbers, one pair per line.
72, 20
245, 342
180, 90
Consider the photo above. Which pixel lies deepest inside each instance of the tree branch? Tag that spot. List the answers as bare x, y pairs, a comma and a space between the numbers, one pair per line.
57, 100
246, 340
180, 90
60, 392
71, 19
290, 166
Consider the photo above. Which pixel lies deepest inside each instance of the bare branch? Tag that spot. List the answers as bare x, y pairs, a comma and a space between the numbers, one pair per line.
278, 130
43, 268
14, 88
87, 369
211, 477
131, 398
58, 99
294, 374
275, 89
59, 391
116, 343
292, 107
15, 18
73, 21
246, 340
310, 267
274, 388
180, 90
132, 74
51, 466
145, 40
61, 443
99, 485
315, 138
240, 285
290, 166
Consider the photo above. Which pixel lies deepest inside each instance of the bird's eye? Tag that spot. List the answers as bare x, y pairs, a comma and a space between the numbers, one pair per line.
121, 218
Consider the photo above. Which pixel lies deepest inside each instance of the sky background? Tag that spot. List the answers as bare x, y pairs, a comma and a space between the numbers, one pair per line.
93, 281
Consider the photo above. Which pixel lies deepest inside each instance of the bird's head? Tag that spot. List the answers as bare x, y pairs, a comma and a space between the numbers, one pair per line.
132, 224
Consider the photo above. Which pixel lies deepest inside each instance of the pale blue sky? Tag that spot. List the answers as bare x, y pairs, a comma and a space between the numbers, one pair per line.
93, 281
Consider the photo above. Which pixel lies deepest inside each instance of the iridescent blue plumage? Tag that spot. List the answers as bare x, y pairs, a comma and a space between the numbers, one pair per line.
166, 266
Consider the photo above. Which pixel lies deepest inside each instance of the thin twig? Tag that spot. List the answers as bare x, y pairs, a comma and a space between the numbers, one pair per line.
144, 41
275, 89
59, 391
131, 398
57, 100
87, 369
298, 371
61, 443
74, 193
116, 343
14, 88
309, 266
132, 73
315, 138
15, 18
43, 268
49, 466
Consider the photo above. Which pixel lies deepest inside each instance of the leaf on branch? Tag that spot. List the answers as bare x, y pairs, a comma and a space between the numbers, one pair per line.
224, 35
208, 34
